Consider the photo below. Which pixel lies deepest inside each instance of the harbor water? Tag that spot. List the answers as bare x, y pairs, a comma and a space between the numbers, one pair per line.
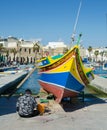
100, 72
31, 83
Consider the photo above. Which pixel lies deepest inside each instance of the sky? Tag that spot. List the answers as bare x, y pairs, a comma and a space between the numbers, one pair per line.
54, 20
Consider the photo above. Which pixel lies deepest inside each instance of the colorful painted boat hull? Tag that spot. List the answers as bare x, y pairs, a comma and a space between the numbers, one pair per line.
56, 84
58, 92
66, 77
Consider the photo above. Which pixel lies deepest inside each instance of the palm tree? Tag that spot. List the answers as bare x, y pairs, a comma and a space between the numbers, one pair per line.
14, 51
1, 48
65, 50
36, 48
7, 53
105, 54
90, 50
96, 53
102, 54
19, 50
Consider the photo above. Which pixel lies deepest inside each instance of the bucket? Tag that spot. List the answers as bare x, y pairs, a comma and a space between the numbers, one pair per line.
41, 108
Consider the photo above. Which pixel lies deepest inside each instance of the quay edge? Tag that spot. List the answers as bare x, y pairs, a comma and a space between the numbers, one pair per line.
100, 83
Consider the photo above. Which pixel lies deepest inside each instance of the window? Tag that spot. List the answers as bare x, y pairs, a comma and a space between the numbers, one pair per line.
29, 51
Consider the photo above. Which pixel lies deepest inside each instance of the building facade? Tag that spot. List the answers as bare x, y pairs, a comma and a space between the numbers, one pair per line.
19, 51
24, 52
54, 48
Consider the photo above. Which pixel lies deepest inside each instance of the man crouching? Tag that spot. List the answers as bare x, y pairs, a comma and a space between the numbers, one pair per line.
26, 105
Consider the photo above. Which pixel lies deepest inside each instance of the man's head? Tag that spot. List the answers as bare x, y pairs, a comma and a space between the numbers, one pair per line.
28, 91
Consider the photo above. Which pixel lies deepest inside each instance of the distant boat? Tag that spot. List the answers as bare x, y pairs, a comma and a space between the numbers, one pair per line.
65, 76
11, 77
89, 65
15, 69
2, 69
105, 66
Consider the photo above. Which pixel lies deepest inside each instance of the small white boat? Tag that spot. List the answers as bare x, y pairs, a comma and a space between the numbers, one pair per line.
105, 66
10, 72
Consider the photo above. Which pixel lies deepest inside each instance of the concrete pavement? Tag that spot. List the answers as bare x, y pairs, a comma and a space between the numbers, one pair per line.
100, 83
88, 115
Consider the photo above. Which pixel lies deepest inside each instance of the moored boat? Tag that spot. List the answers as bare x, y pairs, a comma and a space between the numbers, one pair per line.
105, 66
65, 76
9, 82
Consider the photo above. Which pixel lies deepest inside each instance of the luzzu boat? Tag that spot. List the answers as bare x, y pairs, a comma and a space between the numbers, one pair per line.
65, 76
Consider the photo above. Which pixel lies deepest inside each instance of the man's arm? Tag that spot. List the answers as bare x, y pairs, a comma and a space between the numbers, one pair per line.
17, 105
34, 103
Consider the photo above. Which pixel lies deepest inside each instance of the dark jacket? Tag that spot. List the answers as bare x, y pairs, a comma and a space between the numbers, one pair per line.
26, 104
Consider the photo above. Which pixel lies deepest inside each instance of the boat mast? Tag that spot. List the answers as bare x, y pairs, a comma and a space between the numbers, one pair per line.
106, 22
75, 25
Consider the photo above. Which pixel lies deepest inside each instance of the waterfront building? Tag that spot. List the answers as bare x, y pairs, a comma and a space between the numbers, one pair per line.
23, 51
19, 50
26, 54
54, 48
100, 56
83, 52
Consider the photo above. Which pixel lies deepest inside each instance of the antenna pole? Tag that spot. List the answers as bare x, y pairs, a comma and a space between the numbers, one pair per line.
106, 22
77, 17
76, 21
